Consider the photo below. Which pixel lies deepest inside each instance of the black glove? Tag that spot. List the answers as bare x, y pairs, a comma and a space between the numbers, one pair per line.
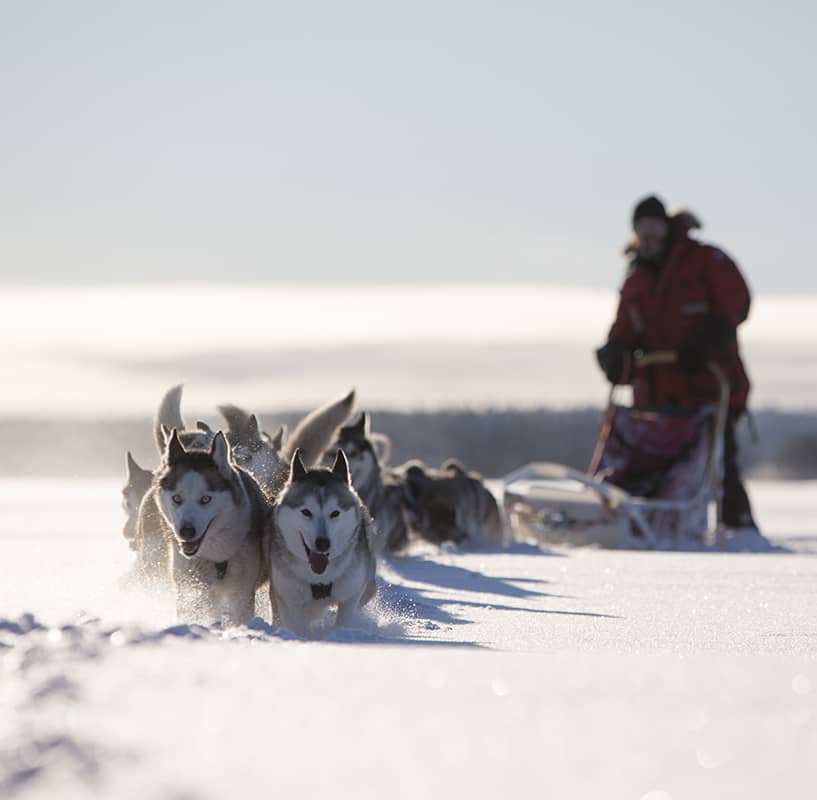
612, 359
692, 358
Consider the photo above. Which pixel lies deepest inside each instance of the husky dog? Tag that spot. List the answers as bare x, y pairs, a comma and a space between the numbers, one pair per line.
212, 516
253, 449
451, 504
378, 488
321, 547
140, 479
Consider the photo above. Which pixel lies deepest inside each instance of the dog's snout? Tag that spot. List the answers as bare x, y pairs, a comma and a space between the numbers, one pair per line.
322, 544
187, 532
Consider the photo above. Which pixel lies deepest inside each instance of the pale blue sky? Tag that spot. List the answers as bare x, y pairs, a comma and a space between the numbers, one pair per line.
381, 142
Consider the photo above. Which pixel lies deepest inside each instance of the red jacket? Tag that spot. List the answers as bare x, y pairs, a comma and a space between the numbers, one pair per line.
660, 308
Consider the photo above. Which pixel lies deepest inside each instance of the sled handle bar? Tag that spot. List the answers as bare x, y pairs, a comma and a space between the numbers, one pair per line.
642, 359
664, 357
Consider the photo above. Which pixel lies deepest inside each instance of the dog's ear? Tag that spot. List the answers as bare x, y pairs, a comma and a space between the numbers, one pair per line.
341, 467
277, 441
165, 431
252, 430
135, 472
174, 450
201, 425
220, 453
297, 470
133, 467
361, 424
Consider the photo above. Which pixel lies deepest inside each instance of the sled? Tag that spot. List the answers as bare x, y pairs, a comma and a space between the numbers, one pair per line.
654, 481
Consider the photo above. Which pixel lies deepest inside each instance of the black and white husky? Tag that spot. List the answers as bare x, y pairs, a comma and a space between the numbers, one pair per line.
212, 516
321, 547
381, 491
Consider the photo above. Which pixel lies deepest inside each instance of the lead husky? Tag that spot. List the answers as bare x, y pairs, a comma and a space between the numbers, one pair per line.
321, 547
212, 520
379, 489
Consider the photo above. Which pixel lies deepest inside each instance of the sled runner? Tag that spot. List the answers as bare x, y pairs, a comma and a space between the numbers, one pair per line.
654, 481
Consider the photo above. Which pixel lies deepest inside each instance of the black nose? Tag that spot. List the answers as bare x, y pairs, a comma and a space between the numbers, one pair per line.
187, 532
322, 544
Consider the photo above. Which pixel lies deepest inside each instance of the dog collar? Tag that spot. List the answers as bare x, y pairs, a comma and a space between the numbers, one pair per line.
221, 569
320, 591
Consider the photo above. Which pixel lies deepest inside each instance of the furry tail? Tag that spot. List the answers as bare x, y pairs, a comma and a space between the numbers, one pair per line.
316, 431
169, 415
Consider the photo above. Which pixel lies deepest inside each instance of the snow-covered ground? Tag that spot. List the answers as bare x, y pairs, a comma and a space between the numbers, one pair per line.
574, 674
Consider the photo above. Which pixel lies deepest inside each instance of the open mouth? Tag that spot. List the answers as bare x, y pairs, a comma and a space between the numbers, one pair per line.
318, 562
190, 547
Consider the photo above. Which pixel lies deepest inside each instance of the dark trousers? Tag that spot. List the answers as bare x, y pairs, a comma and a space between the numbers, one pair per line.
736, 509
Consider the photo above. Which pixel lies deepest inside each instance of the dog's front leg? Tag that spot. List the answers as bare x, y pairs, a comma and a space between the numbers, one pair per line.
348, 612
294, 617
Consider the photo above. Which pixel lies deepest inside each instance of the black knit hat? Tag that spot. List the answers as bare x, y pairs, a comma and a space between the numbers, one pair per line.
649, 206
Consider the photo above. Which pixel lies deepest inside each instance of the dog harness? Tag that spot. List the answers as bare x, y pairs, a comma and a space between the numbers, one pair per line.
320, 591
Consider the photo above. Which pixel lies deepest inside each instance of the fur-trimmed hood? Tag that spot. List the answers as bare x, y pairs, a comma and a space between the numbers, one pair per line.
681, 224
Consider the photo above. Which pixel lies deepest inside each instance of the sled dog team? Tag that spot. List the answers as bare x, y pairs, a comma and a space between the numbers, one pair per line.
308, 515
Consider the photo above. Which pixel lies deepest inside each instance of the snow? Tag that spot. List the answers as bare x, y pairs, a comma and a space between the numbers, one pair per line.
569, 673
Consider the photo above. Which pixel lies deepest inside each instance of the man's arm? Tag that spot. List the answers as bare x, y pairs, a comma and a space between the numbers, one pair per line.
729, 302
612, 356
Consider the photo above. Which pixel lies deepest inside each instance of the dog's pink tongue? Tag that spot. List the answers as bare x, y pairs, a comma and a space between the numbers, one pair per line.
319, 562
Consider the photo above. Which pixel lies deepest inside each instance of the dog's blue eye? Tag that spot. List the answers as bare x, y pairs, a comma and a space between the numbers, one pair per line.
177, 499
307, 513
205, 499
334, 514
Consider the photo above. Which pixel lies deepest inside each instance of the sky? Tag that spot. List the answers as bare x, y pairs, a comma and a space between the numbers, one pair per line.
381, 143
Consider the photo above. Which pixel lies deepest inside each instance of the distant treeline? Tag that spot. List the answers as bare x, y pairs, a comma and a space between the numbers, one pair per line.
492, 442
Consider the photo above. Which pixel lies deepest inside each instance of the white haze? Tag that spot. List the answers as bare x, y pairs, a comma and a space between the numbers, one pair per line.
113, 351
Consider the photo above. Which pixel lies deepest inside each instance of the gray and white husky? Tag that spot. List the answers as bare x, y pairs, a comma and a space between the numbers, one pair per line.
213, 516
380, 490
321, 547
